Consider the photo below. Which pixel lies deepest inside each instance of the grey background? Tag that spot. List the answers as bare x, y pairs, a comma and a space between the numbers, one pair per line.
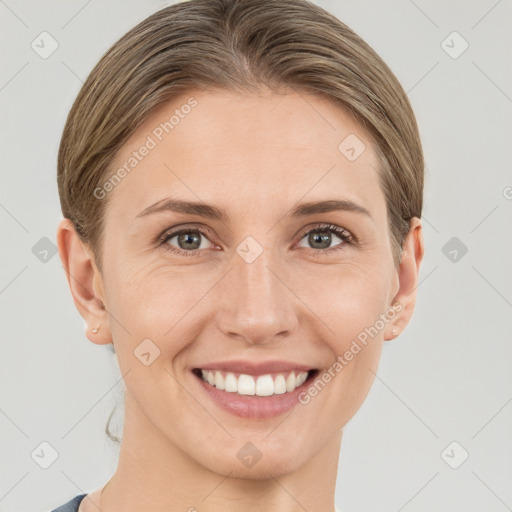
446, 378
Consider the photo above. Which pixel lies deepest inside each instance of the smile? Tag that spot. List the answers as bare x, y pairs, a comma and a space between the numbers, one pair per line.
251, 396
262, 385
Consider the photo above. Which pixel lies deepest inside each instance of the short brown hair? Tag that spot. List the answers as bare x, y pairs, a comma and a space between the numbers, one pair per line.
236, 45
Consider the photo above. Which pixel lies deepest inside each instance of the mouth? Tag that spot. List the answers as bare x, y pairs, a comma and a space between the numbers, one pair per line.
255, 386
254, 389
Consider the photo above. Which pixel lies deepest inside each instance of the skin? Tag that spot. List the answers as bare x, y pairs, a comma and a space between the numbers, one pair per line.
256, 157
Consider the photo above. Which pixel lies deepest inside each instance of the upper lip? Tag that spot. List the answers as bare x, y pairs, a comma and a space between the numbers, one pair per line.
256, 368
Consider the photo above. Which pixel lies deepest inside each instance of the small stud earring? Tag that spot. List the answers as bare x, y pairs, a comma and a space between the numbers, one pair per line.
394, 332
95, 330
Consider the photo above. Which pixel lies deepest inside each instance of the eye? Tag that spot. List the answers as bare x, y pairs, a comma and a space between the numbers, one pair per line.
320, 238
189, 241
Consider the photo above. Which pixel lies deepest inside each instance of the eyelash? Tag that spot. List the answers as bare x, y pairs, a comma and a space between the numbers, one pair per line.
345, 235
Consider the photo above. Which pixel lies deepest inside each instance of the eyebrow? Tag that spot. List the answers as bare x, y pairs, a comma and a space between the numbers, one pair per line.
212, 212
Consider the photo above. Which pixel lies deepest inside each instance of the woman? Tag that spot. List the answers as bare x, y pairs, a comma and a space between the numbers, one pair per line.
242, 185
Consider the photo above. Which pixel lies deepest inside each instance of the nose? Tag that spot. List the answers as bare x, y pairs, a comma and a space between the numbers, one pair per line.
254, 304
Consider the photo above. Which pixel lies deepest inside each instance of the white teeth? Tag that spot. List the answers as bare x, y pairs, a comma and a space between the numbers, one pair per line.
230, 383
264, 385
290, 382
219, 380
246, 385
279, 385
301, 378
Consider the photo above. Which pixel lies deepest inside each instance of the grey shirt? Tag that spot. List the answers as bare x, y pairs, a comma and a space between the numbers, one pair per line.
71, 505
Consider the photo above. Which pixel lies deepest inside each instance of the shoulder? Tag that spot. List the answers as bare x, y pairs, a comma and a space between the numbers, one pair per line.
71, 505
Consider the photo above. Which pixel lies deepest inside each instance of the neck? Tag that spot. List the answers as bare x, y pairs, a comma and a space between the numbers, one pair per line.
156, 475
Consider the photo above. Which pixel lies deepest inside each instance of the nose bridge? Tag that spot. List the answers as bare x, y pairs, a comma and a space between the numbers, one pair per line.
256, 305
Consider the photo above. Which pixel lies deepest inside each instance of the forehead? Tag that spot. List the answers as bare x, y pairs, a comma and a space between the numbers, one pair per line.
247, 151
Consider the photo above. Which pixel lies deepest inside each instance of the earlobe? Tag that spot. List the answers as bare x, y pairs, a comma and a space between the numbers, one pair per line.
408, 272
85, 282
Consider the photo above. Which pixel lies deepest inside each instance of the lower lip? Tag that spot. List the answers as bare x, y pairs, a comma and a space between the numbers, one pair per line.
253, 406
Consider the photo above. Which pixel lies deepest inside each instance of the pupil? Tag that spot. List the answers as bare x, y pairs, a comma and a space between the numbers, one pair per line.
315, 237
187, 238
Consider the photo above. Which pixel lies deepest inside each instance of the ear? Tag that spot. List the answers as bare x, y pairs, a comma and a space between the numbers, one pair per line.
85, 282
408, 272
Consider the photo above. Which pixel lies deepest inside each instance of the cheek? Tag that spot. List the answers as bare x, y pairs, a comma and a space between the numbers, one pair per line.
160, 304
352, 305
349, 301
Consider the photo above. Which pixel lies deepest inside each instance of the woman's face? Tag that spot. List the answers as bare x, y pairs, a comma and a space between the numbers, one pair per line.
258, 285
